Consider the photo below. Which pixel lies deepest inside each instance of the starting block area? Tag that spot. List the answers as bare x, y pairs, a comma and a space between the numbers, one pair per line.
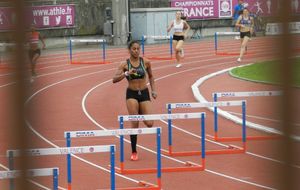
222, 49
11, 154
162, 50
217, 95
85, 58
121, 132
13, 174
189, 166
230, 149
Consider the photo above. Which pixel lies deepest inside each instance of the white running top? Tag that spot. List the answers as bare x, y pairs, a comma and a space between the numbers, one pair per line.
178, 27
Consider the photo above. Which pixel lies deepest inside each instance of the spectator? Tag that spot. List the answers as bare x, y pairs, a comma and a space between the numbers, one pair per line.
237, 11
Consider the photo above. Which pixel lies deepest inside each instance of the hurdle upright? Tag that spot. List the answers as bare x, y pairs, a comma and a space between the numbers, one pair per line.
189, 166
230, 149
121, 132
170, 38
68, 151
217, 95
12, 174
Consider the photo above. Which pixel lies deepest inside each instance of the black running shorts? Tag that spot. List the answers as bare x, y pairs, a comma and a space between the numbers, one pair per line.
139, 95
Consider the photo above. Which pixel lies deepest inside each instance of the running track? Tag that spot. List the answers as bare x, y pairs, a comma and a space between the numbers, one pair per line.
82, 97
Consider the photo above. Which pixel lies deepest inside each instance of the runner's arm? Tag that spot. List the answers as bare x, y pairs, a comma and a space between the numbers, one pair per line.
151, 78
170, 27
120, 74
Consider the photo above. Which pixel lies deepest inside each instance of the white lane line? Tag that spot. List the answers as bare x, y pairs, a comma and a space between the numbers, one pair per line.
83, 102
56, 146
32, 181
240, 180
4, 167
98, 72
250, 153
52, 73
263, 118
200, 98
196, 52
100, 126
8, 84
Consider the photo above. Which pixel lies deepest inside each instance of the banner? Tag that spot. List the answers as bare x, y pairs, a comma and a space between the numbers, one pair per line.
204, 9
7, 18
262, 7
62, 16
208, 9
268, 7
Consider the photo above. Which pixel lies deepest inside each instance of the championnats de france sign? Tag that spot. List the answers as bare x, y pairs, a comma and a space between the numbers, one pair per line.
205, 9
213, 9
50, 16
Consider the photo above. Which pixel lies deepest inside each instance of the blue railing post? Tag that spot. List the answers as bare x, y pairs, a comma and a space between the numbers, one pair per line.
55, 179
11, 167
169, 126
112, 168
171, 45
68, 136
216, 42
215, 114
103, 50
244, 120
70, 50
143, 45
203, 135
121, 141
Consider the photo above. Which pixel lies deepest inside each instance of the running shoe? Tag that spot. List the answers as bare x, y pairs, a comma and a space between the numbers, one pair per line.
239, 60
178, 65
134, 157
237, 37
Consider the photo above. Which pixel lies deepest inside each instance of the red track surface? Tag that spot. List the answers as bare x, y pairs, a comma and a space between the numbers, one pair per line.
82, 97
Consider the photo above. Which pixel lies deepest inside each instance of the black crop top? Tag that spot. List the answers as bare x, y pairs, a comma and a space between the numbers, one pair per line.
140, 70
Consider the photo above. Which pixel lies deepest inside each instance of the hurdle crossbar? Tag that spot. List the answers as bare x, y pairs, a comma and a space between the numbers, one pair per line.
67, 151
121, 133
158, 38
247, 94
217, 95
102, 43
89, 40
231, 149
54, 172
188, 165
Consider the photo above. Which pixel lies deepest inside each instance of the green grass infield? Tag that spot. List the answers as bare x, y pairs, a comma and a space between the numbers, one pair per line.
266, 72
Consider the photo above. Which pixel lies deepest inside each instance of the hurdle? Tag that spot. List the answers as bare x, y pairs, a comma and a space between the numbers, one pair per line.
217, 40
231, 149
67, 151
102, 43
54, 172
170, 38
217, 95
188, 166
122, 132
